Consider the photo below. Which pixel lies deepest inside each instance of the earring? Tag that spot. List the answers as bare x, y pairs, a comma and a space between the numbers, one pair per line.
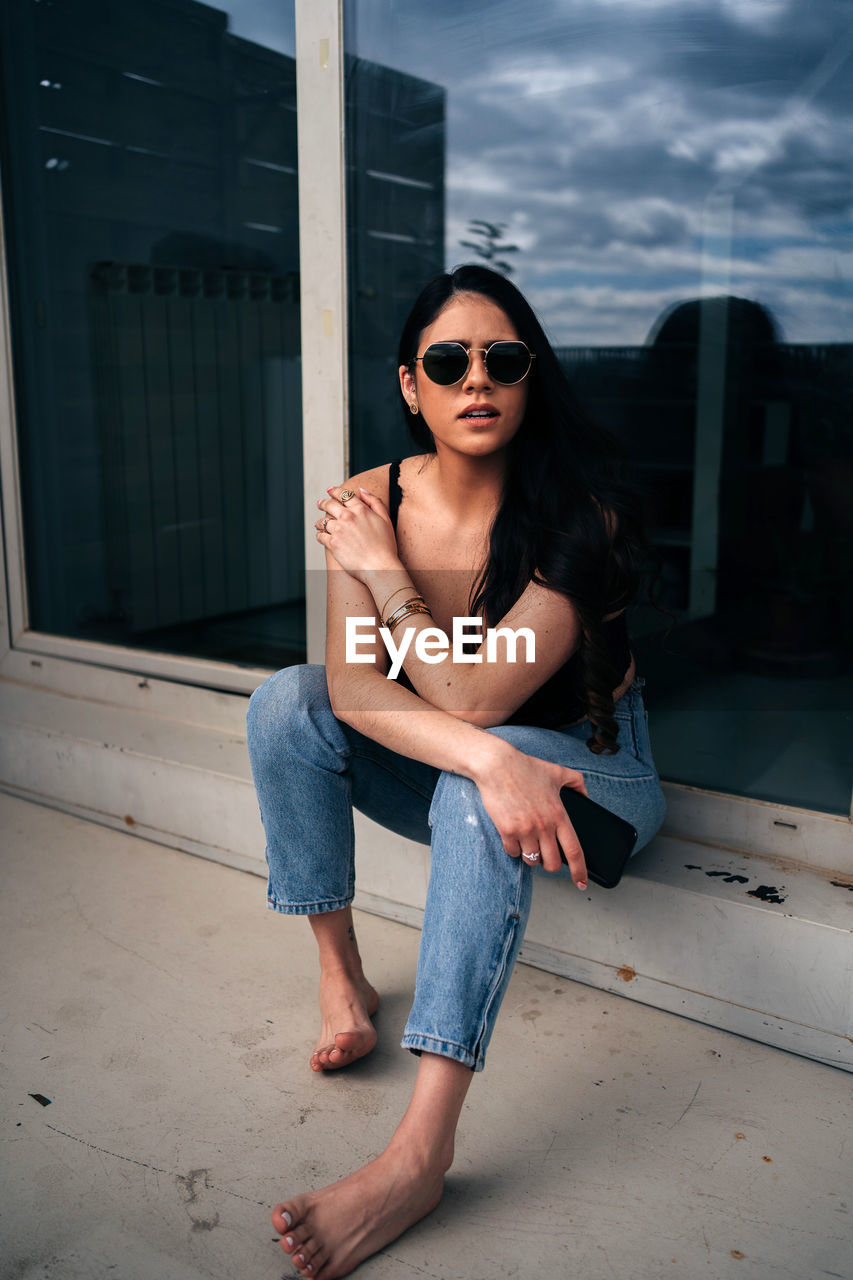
414, 406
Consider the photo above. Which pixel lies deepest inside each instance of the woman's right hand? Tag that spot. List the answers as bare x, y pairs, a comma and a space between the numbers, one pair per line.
521, 795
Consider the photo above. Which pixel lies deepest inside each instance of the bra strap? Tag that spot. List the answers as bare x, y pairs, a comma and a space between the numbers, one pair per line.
395, 493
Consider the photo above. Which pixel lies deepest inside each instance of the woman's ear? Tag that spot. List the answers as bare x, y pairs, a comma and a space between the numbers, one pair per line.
407, 383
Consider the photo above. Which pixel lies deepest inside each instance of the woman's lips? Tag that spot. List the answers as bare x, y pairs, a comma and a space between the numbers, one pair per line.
482, 413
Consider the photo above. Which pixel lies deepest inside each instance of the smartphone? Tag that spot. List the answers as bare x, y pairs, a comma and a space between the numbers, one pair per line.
607, 840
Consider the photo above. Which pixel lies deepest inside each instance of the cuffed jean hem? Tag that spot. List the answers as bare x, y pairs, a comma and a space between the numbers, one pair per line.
308, 908
444, 1048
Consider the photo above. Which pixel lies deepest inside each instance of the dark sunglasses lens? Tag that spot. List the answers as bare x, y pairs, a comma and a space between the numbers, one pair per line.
507, 362
445, 363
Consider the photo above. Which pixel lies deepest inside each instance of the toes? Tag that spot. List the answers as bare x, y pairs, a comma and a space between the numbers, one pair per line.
282, 1218
306, 1261
293, 1237
308, 1256
347, 1046
331, 1055
306, 1252
314, 1267
292, 1242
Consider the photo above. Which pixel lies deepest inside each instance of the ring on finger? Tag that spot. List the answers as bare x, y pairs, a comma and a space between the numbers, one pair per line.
533, 856
324, 522
345, 495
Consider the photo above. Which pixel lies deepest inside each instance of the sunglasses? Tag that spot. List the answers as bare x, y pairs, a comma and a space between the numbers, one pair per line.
447, 362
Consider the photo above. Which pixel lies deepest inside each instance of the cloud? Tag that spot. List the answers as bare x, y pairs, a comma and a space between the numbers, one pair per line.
604, 133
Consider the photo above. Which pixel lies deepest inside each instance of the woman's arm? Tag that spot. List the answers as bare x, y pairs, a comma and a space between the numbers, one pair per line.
521, 793
483, 688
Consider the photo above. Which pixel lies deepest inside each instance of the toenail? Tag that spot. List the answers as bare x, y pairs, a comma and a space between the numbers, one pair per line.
289, 1239
288, 1221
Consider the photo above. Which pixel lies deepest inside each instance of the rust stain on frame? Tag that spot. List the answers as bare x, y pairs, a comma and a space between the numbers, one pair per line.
626, 973
324, 53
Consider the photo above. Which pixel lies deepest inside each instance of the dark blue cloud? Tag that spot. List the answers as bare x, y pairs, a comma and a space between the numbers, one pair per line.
603, 132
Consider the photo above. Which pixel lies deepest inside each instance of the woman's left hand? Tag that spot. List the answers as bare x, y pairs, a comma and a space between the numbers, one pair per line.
521, 795
357, 531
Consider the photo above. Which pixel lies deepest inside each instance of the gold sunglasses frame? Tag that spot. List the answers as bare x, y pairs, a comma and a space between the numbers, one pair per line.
481, 351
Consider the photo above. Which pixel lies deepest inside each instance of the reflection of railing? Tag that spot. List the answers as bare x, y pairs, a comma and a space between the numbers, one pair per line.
836, 355
786, 357
197, 376
581, 355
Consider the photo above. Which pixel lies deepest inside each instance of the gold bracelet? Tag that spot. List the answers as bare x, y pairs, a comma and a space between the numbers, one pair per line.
400, 608
411, 606
414, 608
391, 597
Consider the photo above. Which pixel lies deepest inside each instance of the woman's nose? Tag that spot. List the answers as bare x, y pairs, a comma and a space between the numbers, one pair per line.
478, 374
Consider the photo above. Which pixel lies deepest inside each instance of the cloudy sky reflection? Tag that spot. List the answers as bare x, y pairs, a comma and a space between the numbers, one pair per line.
642, 152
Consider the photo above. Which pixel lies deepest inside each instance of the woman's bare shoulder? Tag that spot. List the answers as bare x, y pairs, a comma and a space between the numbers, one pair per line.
376, 479
412, 469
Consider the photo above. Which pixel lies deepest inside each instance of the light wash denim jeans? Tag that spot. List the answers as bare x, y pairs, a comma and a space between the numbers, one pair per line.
310, 769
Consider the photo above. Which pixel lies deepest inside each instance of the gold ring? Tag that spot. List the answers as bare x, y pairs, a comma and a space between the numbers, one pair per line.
325, 522
345, 495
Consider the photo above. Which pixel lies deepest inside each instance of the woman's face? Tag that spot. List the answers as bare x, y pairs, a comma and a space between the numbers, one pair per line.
477, 416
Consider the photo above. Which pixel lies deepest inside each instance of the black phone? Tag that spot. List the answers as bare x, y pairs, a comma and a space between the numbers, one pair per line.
606, 839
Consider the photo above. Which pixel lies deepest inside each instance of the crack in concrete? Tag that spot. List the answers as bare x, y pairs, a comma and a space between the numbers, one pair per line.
687, 1108
143, 1164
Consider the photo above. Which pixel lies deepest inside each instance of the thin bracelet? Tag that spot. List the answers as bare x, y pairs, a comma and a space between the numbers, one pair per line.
417, 603
391, 597
405, 602
415, 608
400, 608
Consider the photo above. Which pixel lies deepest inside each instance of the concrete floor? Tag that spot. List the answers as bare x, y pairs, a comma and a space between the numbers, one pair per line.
167, 1015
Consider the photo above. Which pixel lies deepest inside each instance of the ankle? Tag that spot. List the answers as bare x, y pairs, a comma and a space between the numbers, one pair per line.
339, 971
426, 1154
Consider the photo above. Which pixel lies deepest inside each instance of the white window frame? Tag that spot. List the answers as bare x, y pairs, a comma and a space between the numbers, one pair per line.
72, 667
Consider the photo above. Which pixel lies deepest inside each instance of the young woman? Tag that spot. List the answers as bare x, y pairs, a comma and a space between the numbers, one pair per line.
513, 513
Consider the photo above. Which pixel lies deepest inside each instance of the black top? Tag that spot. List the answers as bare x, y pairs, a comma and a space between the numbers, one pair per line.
559, 701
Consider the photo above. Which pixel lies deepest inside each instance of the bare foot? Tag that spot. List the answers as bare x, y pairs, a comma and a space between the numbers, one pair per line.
328, 1233
346, 1033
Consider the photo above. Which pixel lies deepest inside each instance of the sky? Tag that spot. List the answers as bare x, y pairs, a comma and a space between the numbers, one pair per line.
640, 152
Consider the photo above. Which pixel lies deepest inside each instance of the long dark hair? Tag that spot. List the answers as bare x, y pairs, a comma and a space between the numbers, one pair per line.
568, 519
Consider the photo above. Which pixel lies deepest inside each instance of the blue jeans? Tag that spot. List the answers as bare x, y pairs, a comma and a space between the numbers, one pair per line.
311, 769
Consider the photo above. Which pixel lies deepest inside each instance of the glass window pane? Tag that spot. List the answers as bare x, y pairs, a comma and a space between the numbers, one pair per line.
671, 186
150, 189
